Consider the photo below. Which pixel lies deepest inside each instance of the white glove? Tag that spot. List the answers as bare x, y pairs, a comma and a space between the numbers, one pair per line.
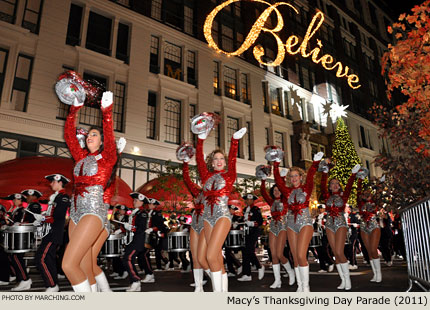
356, 168
120, 144
355, 225
186, 160
283, 172
204, 135
149, 230
382, 179
159, 234
39, 217
264, 177
127, 226
240, 133
76, 103
318, 156
234, 225
117, 232
185, 230
250, 223
36, 223
107, 99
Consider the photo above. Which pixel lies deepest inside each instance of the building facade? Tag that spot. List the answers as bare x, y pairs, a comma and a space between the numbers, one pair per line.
154, 57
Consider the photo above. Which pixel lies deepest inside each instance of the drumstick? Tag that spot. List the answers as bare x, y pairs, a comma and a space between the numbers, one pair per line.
30, 212
122, 223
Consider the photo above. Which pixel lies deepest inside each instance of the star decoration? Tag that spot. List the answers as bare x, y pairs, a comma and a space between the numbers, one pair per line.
337, 111
319, 43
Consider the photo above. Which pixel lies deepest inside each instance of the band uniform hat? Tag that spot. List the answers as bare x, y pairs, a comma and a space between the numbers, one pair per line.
138, 196
153, 201
32, 192
233, 207
57, 177
16, 196
122, 207
249, 196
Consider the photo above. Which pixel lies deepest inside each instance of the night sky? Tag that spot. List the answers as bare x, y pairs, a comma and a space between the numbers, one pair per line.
403, 6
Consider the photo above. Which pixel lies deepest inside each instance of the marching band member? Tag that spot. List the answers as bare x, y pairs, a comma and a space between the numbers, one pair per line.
253, 219
299, 221
324, 255
354, 225
4, 261
217, 186
230, 258
278, 230
53, 222
369, 227
184, 227
32, 196
197, 238
120, 215
336, 225
93, 173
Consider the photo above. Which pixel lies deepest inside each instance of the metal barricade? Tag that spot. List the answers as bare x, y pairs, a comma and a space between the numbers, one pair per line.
416, 232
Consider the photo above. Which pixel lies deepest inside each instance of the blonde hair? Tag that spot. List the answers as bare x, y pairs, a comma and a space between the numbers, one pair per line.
301, 172
210, 158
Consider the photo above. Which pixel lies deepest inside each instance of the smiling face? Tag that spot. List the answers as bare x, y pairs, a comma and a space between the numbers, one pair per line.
276, 192
334, 185
295, 178
94, 140
218, 162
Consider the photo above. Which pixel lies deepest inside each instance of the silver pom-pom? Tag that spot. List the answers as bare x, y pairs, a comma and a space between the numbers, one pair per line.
274, 153
362, 173
263, 171
323, 167
204, 122
68, 89
185, 152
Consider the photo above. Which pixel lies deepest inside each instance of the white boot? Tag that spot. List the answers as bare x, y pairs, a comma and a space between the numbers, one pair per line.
102, 282
134, 287
377, 264
342, 277
82, 287
224, 282
23, 286
304, 276
55, 288
217, 281
299, 280
277, 274
290, 272
372, 264
198, 278
94, 288
345, 269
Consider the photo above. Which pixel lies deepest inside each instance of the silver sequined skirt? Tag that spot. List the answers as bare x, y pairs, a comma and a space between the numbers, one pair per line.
91, 203
197, 226
334, 223
219, 210
301, 221
277, 226
369, 226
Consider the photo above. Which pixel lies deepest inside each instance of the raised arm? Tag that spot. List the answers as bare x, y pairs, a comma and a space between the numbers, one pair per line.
279, 180
348, 187
264, 193
109, 150
70, 135
232, 155
193, 187
324, 178
201, 164
310, 176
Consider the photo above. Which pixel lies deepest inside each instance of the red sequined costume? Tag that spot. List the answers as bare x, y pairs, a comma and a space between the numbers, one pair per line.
367, 210
278, 211
217, 184
335, 203
92, 170
196, 191
298, 214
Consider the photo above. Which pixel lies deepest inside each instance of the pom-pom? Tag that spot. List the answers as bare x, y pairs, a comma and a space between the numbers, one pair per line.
273, 153
204, 122
362, 173
185, 152
263, 171
69, 86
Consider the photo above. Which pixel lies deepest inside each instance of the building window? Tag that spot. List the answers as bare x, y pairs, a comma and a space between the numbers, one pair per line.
248, 145
153, 57
275, 101
315, 148
99, 34
232, 127
217, 133
334, 91
8, 11
215, 31
373, 88
349, 48
188, 20
172, 110
191, 68
245, 88
230, 82
122, 43
193, 112
368, 62
267, 136
373, 16
265, 101
173, 13
3, 61
227, 38
74, 27
156, 9
31, 19
279, 141
217, 90
173, 61
150, 121
21, 82
118, 107
91, 115
363, 141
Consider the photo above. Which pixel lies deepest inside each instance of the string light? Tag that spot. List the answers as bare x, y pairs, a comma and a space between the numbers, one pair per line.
327, 61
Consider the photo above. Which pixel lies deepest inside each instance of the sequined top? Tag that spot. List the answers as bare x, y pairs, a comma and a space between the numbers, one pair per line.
217, 184
367, 208
195, 190
91, 168
297, 197
277, 207
335, 201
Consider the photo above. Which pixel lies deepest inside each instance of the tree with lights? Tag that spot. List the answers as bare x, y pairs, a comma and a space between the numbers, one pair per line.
345, 158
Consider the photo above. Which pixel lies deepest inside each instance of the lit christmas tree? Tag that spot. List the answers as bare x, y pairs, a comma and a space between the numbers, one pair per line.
345, 158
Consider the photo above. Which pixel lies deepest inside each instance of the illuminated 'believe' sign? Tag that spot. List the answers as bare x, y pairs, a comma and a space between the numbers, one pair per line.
291, 46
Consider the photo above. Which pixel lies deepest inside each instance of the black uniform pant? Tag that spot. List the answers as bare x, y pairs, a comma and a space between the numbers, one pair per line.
363, 249
117, 266
351, 249
18, 263
46, 262
249, 256
385, 245
324, 254
4, 266
159, 254
231, 260
185, 262
128, 261
144, 261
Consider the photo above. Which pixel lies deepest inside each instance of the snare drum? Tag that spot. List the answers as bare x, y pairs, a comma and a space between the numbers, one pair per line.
178, 241
113, 246
235, 239
316, 240
150, 240
19, 239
